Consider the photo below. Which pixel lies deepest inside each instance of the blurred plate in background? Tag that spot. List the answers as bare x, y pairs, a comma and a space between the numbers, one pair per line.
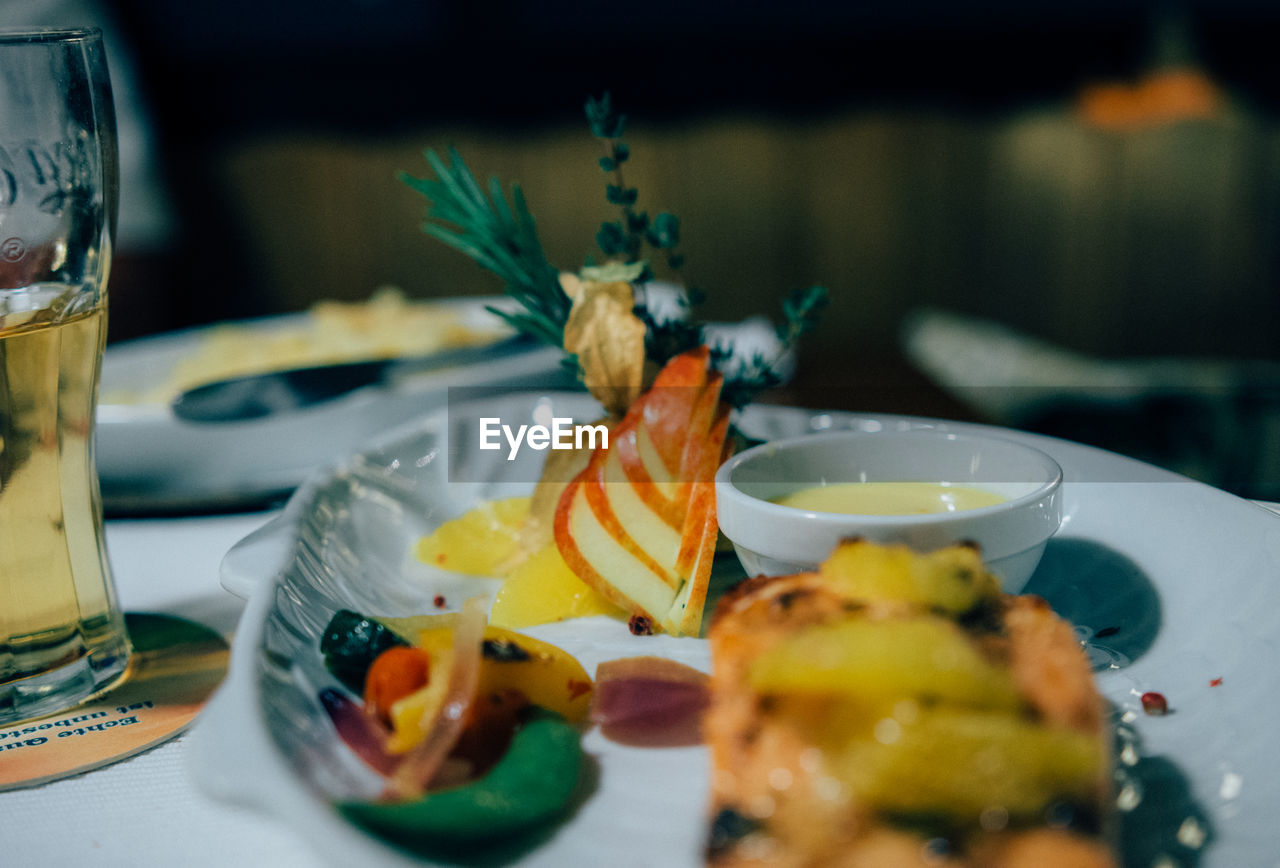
150, 461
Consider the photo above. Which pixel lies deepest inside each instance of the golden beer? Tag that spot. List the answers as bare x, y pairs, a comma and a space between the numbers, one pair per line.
62, 636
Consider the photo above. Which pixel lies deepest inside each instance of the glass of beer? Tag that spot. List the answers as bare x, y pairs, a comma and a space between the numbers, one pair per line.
62, 635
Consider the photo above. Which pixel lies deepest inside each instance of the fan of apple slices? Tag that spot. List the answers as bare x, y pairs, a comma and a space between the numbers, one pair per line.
638, 524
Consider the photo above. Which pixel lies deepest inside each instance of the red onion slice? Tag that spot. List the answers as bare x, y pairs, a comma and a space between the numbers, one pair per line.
366, 737
422, 763
649, 702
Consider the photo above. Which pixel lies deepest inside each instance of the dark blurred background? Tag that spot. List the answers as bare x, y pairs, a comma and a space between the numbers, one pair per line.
1103, 177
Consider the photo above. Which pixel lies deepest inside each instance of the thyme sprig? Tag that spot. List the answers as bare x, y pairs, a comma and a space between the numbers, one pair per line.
801, 311
629, 236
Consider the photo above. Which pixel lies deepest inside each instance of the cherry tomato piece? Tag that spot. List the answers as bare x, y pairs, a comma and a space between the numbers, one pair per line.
394, 674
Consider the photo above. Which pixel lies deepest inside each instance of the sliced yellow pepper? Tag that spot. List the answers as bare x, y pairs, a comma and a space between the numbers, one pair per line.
548, 677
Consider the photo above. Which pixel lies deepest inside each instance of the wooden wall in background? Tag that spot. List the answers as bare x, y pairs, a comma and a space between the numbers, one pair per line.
1156, 240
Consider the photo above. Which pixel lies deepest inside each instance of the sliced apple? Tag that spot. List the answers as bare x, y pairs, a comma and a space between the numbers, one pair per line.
639, 523
659, 428
698, 542
643, 467
635, 512
701, 459
605, 563
684, 618
666, 409
629, 521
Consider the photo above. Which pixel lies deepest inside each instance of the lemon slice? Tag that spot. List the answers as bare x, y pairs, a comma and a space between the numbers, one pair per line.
485, 541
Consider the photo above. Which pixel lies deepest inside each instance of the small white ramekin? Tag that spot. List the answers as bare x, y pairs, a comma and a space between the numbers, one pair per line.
771, 539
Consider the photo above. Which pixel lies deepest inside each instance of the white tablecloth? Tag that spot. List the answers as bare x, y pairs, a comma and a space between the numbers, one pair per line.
146, 810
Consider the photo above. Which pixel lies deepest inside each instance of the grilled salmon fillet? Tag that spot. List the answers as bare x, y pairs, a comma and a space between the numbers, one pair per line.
895, 708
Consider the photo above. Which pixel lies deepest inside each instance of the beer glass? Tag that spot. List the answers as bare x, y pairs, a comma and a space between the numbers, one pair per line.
62, 635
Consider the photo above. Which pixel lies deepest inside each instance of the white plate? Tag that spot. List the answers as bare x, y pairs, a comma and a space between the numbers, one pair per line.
150, 460
1179, 577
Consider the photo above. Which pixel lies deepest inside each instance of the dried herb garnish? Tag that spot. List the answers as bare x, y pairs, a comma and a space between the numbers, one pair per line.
501, 236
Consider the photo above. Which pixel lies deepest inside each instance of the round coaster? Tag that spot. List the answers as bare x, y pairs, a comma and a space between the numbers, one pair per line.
175, 666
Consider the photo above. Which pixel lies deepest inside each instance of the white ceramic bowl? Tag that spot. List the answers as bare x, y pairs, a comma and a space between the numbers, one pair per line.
771, 539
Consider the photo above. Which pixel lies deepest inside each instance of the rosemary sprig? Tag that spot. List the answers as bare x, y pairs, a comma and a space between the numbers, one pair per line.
498, 235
